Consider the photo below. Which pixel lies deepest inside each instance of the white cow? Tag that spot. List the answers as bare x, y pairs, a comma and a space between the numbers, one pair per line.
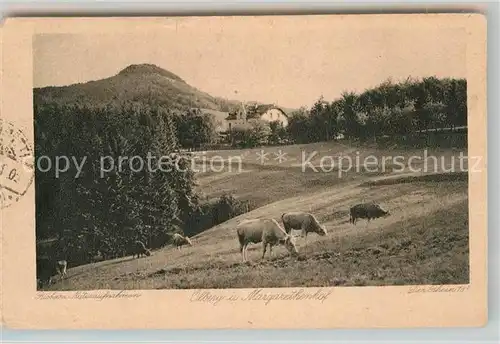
267, 231
61, 266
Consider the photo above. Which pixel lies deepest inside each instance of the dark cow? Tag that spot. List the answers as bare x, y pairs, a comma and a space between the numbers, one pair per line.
140, 250
366, 211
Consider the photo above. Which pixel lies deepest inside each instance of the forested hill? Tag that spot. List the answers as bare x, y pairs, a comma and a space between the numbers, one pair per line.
144, 83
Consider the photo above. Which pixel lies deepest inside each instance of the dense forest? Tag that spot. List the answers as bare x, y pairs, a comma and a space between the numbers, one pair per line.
89, 213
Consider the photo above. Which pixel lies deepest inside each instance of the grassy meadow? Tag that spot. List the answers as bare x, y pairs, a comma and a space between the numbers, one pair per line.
424, 241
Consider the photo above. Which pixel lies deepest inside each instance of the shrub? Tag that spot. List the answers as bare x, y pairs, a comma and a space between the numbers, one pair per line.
213, 213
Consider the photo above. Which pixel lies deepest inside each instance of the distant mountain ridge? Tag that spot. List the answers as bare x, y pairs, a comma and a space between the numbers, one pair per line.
145, 83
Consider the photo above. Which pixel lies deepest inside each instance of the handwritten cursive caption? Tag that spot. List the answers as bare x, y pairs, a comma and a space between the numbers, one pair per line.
97, 295
258, 295
438, 289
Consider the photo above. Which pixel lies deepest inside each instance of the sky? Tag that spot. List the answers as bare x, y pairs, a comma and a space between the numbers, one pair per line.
281, 60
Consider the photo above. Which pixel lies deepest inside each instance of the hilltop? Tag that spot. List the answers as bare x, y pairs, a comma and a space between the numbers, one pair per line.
144, 83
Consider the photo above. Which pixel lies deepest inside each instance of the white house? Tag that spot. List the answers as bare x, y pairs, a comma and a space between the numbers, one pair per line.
255, 112
275, 114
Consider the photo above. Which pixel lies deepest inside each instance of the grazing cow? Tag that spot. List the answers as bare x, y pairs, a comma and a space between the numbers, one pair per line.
267, 231
46, 268
306, 222
366, 211
140, 249
178, 240
61, 266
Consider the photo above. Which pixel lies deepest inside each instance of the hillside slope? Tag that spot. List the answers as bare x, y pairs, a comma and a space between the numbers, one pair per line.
141, 83
424, 241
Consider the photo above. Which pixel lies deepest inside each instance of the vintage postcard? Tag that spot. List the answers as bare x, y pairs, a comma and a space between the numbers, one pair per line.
319, 171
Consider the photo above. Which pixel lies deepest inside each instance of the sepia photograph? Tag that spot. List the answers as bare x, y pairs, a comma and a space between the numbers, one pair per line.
263, 159
230, 162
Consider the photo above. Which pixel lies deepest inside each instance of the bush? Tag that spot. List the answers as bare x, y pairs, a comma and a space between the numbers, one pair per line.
254, 135
213, 213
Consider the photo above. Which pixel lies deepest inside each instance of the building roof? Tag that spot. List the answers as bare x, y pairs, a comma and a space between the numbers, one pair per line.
260, 109
254, 110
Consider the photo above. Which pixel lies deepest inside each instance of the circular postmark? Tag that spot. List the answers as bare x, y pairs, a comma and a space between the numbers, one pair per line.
16, 164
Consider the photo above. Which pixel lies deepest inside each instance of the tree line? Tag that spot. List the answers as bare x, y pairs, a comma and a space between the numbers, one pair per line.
393, 110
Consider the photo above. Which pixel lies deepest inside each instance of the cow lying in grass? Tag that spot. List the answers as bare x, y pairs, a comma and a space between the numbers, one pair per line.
266, 231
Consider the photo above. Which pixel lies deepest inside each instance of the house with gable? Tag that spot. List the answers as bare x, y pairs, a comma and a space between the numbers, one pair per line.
252, 112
